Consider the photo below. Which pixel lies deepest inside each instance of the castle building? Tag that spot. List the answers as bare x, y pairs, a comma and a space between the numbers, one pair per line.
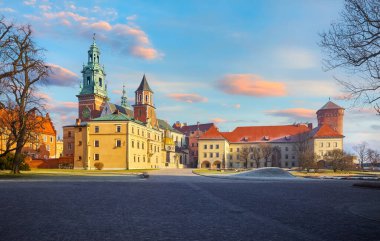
224, 149
119, 136
193, 133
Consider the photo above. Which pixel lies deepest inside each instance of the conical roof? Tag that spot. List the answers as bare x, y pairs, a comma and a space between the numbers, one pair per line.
144, 85
330, 105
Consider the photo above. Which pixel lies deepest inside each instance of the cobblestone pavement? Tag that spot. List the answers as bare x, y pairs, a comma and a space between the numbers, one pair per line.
178, 205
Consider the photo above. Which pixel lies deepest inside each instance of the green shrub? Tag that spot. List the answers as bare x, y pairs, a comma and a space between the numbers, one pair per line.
99, 165
7, 161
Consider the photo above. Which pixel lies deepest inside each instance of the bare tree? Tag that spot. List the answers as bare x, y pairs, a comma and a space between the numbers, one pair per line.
266, 152
339, 160
244, 155
373, 157
256, 156
361, 151
308, 160
353, 43
21, 71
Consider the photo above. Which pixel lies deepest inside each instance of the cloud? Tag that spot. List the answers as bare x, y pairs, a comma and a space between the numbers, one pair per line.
297, 58
30, 2
218, 120
293, 113
313, 88
117, 92
101, 25
132, 17
375, 127
189, 98
145, 53
61, 76
9, 10
124, 38
237, 106
45, 7
250, 85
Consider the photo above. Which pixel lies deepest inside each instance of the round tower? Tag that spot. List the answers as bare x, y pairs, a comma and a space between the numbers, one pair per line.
332, 115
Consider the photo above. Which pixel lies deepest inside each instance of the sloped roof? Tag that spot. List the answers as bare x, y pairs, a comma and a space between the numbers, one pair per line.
325, 131
212, 133
330, 105
126, 111
162, 124
189, 128
113, 117
47, 126
144, 85
284, 133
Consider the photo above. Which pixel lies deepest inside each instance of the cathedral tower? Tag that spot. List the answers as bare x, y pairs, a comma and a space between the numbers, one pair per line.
332, 115
143, 108
93, 89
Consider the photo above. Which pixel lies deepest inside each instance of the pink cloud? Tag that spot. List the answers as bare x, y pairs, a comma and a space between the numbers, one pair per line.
293, 113
251, 85
218, 120
189, 98
64, 15
102, 25
118, 92
237, 106
70, 104
145, 53
60, 76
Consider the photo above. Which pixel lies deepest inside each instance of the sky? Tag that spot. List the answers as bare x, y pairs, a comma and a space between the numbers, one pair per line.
234, 63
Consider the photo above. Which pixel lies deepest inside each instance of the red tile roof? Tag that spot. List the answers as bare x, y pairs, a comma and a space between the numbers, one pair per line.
325, 131
212, 133
285, 133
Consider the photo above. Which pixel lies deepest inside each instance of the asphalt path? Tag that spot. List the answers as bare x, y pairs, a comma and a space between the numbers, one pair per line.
178, 205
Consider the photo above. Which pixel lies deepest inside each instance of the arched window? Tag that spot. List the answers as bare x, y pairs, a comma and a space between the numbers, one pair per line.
88, 80
147, 98
100, 82
139, 97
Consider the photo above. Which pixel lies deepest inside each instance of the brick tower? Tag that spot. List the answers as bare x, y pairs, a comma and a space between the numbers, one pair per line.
93, 90
332, 115
143, 108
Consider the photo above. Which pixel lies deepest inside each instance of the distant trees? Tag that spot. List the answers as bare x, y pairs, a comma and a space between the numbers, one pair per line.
339, 160
266, 152
361, 151
22, 69
244, 155
373, 157
256, 155
353, 43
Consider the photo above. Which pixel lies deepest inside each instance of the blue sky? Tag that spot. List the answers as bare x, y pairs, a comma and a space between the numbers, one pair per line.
236, 63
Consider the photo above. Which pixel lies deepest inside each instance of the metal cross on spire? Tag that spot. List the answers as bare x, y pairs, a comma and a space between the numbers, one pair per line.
93, 37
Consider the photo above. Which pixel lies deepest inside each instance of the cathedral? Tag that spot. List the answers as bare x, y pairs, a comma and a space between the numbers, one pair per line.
119, 136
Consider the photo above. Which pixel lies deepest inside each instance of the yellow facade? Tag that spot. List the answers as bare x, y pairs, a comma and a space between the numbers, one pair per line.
323, 145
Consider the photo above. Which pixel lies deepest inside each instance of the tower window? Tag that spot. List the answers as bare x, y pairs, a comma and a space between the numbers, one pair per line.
139, 97
88, 80
146, 98
100, 82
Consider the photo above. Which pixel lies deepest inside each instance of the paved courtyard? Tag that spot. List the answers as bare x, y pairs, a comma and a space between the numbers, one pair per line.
177, 205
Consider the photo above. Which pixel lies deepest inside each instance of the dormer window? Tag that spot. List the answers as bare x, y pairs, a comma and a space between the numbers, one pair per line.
244, 138
266, 138
287, 138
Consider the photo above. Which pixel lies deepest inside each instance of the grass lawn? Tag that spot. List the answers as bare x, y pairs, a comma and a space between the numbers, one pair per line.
327, 172
70, 172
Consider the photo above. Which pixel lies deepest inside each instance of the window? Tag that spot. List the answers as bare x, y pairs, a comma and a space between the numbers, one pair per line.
133, 130
237, 149
286, 148
211, 155
293, 157
204, 154
231, 150
68, 146
118, 143
133, 144
47, 147
321, 144
216, 146
96, 157
51, 139
328, 144
138, 131
146, 98
286, 156
335, 144
79, 143
211, 146
100, 82
118, 128
96, 143
80, 129
96, 129
142, 145
217, 154
138, 145
88, 80
45, 138
134, 158
205, 146
68, 134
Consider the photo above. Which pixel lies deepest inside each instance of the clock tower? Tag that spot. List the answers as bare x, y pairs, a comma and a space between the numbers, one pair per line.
93, 89
143, 108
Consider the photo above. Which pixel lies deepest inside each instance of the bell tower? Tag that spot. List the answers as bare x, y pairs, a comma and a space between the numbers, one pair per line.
332, 115
93, 89
143, 108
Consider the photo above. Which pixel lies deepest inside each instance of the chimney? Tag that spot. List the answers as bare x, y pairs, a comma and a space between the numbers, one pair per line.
178, 124
77, 122
310, 125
